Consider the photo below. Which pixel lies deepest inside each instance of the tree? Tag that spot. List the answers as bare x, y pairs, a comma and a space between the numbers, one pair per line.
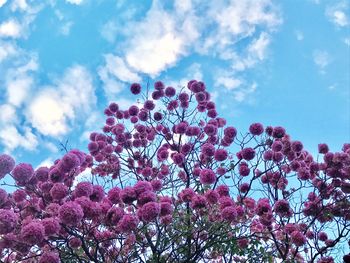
172, 182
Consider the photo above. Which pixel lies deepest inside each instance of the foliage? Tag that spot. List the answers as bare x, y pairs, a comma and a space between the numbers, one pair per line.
172, 182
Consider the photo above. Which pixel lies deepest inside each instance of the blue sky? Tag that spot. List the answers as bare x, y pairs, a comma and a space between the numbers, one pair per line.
277, 62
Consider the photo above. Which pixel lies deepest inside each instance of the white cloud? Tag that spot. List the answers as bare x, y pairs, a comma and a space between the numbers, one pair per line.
10, 28
211, 29
51, 110
321, 59
154, 46
109, 31
254, 53
12, 138
242, 94
2, 3
228, 82
236, 21
347, 41
19, 82
299, 35
119, 69
75, 2
7, 114
6, 50
51, 147
194, 71
48, 162
18, 89
66, 27
19, 4
258, 47
336, 13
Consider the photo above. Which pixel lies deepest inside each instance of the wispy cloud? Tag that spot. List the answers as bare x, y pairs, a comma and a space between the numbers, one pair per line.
75, 2
53, 108
2, 3
321, 59
10, 28
151, 47
337, 13
299, 35
109, 31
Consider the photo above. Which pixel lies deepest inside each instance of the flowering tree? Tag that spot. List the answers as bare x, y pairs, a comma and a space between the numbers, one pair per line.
172, 182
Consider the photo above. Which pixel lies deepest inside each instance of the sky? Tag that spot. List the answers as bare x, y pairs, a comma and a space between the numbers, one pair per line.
284, 63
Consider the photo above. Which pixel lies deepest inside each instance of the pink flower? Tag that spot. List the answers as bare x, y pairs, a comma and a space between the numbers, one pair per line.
166, 208
256, 129
113, 107
83, 189
178, 158
135, 88
248, 153
220, 155
19, 195
59, 191
145, 197
71, 213
156, 185
323, 148
263, 206
229, 213
244, 187
7, 163
150, 211
128, 223
210, 129
223, 190
244, 169
33, 233
277, 146
282, 208
97, 193
8, 221
322, 236
212, 196
114, 195
183, 97
149, 105
3, 196
243, 243
298, 238
198, 202
230, 132
207, 176
51, 226
297, 146
187, 194
22, 173
75, 242
114, 215
42, 174
68, 162
49, 257
142, 186
133, 110
170, 92
278, 132
208, 149
128, 195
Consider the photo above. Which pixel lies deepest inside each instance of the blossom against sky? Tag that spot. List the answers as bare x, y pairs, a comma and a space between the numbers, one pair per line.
276, 62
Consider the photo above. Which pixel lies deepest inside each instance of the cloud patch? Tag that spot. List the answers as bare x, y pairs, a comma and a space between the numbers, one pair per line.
337, 13
53, 108
321, 59
10, 29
